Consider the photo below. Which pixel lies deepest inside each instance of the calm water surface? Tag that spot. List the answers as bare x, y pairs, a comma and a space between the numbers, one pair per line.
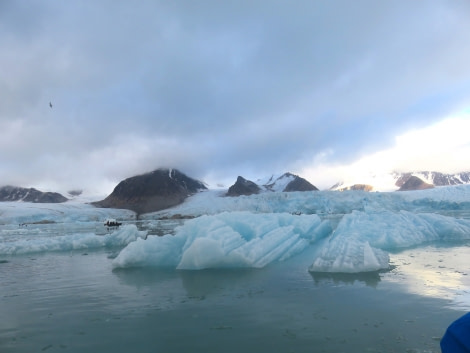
75, 302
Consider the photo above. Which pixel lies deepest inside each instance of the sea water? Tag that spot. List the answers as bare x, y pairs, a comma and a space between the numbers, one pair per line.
75, 301
68, 284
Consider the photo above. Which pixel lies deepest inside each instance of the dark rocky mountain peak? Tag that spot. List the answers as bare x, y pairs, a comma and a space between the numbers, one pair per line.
243, 187
298, 184
150, 192
414, 183
14, 193
288, 182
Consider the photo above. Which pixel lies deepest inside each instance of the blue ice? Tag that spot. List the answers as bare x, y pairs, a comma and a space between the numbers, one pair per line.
360, 241
68, 242
342, 231
229, 239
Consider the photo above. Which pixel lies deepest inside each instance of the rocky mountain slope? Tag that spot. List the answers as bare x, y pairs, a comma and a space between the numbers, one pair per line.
414, 183
243, 187
154, 191
14, 193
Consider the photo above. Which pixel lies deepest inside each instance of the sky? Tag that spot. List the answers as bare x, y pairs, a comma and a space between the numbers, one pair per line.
217, 89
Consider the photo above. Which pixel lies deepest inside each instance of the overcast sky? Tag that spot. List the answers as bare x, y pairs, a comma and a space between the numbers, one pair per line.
219, 89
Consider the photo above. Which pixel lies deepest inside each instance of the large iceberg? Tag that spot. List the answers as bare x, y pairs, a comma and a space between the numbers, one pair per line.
243, 239
361, 238
235, 239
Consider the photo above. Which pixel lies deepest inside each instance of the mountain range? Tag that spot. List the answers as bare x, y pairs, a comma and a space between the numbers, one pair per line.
15, 193
397, 181
164, 188
286, 182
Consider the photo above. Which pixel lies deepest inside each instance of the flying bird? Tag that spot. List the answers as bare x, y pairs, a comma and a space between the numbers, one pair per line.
50, 104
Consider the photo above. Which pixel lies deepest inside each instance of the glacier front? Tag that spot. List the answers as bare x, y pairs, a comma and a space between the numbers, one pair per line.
344, 232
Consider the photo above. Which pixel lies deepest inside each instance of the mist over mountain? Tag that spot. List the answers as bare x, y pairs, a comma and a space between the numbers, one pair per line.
415, 183
395, 181
354, 187
435, 178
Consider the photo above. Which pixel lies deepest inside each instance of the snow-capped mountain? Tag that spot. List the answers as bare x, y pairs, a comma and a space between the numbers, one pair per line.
395, 180
435, 178
14, 193
286, 182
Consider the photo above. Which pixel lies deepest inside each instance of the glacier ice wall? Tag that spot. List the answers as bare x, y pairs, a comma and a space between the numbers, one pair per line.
323, 202
14, 213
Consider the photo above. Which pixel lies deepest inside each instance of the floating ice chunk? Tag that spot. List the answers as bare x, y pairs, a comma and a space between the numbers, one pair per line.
120, 237
361, 239
156, 251
233, 240
349, 257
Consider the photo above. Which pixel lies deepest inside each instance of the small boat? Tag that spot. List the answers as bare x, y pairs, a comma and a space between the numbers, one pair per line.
110, 222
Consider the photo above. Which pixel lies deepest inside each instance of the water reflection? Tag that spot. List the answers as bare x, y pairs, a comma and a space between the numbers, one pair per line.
371, 279
143, 277
202, 283
435, 271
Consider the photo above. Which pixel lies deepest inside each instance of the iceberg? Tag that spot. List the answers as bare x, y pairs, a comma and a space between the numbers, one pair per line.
361, 239
227, 240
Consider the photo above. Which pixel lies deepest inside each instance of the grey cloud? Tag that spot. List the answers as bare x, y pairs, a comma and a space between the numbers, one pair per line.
238, 85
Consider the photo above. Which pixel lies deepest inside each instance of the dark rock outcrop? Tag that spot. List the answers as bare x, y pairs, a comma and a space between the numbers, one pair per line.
298, 184
14, 193
402, 179
243, 187
415, 183
150, 192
